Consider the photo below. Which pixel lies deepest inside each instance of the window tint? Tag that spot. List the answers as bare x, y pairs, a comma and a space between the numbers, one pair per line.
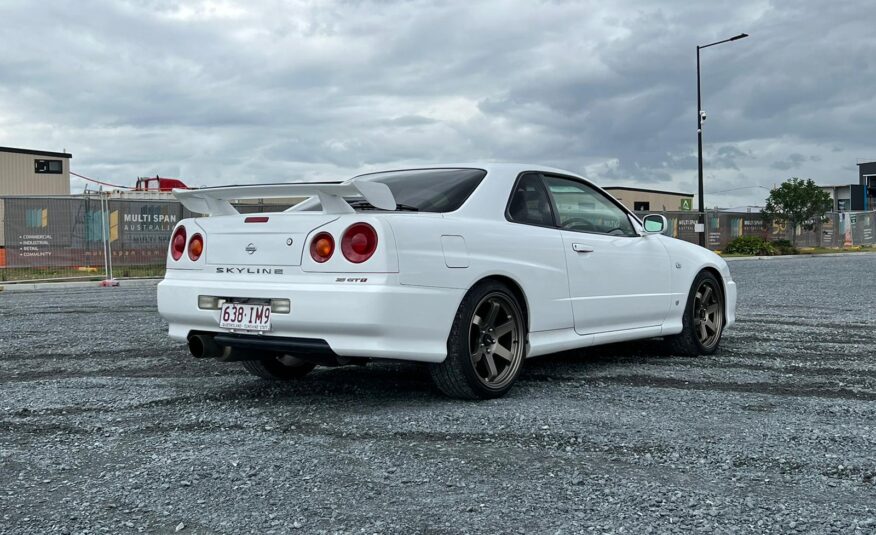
582, 208
529, 202
430, 190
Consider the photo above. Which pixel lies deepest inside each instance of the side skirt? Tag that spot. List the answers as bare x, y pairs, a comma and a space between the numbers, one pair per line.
546, 342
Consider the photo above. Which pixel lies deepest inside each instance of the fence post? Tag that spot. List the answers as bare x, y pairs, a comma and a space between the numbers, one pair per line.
103, 238
107, 245
109, 240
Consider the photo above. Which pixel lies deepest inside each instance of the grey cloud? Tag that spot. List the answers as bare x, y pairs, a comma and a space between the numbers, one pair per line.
794, 161
234, 91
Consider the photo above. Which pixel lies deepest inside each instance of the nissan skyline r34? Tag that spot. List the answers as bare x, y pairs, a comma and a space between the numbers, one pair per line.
470, 269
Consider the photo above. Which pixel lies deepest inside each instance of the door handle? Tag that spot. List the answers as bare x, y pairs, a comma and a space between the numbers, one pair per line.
581, 248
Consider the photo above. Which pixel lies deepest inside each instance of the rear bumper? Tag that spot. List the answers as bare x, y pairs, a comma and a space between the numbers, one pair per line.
385, 320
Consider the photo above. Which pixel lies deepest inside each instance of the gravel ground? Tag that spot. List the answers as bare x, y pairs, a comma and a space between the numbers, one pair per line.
106, 426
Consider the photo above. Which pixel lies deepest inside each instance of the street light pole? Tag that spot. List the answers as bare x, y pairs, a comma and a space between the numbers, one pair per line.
701, 207
701, 116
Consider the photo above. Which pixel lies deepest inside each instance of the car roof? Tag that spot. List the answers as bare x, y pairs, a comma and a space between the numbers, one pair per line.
505, 168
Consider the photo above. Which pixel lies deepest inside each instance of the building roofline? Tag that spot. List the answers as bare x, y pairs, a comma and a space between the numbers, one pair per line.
36, 152
625, 188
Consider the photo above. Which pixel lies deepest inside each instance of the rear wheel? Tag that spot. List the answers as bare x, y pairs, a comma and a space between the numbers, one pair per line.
486, 346
703, 321
279, 367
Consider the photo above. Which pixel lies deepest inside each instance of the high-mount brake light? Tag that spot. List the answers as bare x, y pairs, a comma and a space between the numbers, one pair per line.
322, 247
359, 242
196, 247
178, 243
256, 219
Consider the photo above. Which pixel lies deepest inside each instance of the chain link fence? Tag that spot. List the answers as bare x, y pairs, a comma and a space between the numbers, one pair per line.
842, 229
96, 237
89, 237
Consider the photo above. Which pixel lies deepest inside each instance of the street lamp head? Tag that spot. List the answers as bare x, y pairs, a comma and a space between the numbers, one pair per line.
734, 38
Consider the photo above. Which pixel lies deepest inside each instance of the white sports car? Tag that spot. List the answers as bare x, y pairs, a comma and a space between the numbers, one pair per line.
469, 268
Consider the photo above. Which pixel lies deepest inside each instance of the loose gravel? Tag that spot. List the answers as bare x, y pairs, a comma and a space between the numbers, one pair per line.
107, 426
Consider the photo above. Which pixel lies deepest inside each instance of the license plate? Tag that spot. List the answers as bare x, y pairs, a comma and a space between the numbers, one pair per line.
245, 317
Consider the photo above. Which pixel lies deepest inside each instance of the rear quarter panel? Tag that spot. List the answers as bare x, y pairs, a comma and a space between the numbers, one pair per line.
530, 256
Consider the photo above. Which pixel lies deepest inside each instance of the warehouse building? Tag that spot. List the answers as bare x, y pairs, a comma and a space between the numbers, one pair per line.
34, 172
31, 172
867, 180
847, 197
645, 200
855, 197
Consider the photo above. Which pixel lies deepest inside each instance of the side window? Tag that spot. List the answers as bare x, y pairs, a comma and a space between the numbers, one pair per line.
530, 203
582, 208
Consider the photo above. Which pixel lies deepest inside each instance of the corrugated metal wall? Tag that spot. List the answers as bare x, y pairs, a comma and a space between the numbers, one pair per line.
17, 176
658, 201
2, 224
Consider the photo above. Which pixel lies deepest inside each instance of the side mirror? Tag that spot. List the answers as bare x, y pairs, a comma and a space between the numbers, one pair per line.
655, 223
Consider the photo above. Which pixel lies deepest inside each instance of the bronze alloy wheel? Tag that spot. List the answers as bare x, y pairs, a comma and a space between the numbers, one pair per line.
486, 345
495, 340
708, 314
703, 318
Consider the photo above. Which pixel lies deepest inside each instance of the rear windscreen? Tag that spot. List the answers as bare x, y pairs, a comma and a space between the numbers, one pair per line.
430, 190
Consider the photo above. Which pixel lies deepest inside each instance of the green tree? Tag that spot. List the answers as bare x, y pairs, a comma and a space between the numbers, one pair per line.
797, 202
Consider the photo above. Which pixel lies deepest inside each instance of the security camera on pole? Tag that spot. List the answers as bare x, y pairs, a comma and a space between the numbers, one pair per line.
701, 118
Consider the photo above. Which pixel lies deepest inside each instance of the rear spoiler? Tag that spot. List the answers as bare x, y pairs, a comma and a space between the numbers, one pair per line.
217, 201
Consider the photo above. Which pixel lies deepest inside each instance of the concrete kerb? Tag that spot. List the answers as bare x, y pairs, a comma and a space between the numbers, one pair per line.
776, 257
47, 286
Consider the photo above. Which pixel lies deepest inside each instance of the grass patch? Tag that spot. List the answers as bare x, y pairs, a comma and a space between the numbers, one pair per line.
62, 273
817, 250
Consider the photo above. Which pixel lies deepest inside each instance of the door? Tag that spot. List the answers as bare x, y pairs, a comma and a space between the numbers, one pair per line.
618, 279
541, 259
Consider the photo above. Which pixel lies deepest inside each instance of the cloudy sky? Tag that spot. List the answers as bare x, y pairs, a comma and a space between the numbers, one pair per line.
221, 91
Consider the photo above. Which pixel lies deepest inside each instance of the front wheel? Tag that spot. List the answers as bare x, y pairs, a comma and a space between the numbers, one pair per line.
486, 346
703, 321
279, 367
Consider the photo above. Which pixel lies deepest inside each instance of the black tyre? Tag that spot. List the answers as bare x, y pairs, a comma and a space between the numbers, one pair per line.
703, 321
486, 346
279, 368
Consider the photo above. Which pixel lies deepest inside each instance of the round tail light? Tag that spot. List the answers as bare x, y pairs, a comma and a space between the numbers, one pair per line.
322, 247
359, 242
196, 247
178, 242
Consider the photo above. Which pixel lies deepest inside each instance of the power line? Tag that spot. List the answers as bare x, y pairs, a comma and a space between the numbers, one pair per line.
739, 188
99, 182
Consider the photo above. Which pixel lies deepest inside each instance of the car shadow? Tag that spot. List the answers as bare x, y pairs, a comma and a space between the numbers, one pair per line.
388, 382
377, 382
621, 353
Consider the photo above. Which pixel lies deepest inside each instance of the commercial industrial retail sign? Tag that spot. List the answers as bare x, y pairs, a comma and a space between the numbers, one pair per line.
38, 232
71, 232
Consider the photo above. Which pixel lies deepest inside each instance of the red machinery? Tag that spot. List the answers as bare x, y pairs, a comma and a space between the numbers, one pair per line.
158, 183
